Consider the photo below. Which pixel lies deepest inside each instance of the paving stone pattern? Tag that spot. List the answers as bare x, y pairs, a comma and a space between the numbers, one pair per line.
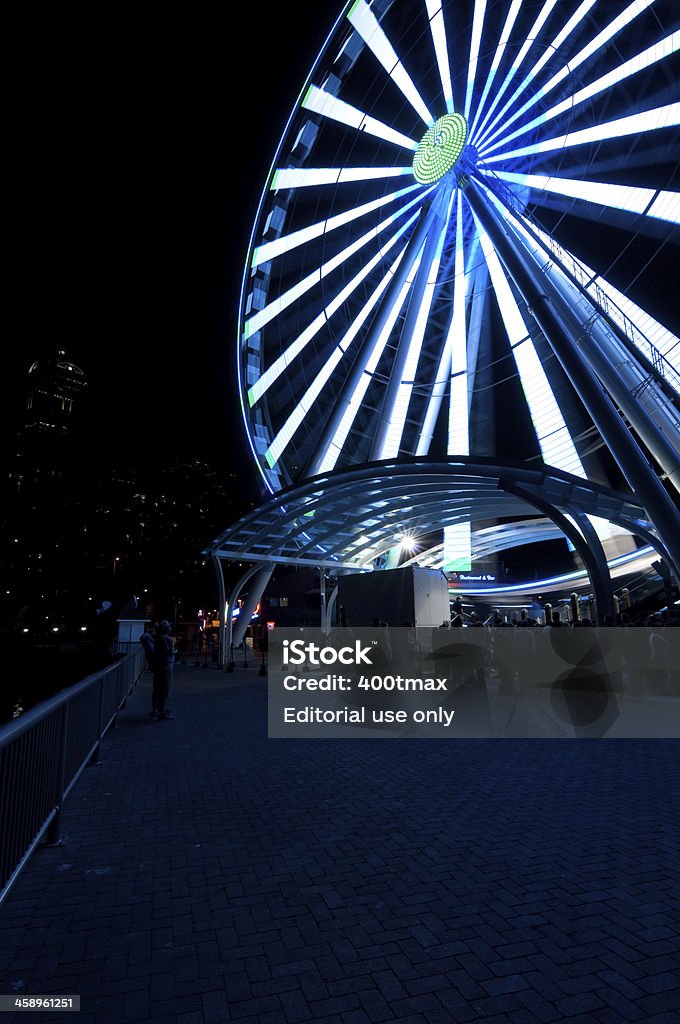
209, 874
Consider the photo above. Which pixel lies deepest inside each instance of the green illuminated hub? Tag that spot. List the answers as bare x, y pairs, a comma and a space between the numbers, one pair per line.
439, 148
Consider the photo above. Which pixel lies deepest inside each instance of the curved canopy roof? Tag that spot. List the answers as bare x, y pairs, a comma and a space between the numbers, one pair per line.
346, 519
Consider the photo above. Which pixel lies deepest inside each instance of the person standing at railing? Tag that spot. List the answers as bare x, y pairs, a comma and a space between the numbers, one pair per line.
163, 670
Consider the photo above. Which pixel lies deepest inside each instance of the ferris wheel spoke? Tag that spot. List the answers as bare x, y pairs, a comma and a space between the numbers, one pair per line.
388, 438
363, 373
306, 403
453, 352
304, 177
324, 103
533, 33
297, 292
652, 202
439, 390
656, 52
438, 31
529, 79
552, 433
375, 339
364, 22
667, 116
475, 40
286, 243
601, 39
495, 63
459, 423
272, 374
666, 206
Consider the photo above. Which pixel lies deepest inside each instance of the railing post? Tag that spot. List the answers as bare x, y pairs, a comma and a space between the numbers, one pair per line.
124, 686
53, 834
94, 759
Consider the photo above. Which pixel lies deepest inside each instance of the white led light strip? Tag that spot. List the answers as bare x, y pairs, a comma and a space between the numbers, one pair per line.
305, 177
357, 397
554, 439
498, 56
296, 418
277, 368
366, 24
625, 18
658, 51
547, 52
330, 106
667, 116
286, 243
532, 35
459, 435
477, 25
629, 198
434, 13
263, 316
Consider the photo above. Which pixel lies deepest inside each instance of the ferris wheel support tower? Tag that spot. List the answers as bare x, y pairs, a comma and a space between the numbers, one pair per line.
561, 328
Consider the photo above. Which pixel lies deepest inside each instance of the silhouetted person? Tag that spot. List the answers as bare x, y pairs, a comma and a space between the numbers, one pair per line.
163, 670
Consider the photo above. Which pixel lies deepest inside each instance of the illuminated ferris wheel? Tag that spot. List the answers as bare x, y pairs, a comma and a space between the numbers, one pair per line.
463, 246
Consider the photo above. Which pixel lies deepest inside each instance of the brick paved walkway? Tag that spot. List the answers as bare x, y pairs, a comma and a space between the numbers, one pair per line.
209, 874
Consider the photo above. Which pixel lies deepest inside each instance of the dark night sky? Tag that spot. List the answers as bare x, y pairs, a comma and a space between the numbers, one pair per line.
133, 198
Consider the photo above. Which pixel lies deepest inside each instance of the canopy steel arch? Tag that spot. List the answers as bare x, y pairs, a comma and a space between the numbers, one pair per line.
417, 497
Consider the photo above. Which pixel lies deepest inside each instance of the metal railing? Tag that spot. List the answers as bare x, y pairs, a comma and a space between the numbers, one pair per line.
43, 753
